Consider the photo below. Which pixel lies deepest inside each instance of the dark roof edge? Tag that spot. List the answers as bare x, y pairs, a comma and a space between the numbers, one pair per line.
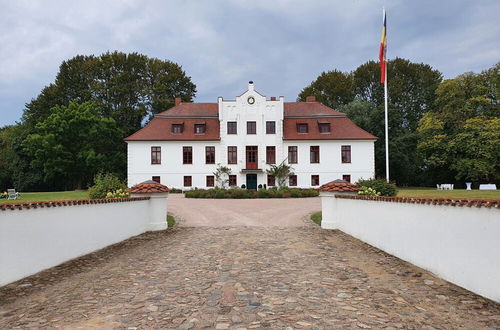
315, 116
127, 139
184, 116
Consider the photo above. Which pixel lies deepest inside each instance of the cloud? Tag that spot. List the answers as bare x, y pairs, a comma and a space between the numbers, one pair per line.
281, 45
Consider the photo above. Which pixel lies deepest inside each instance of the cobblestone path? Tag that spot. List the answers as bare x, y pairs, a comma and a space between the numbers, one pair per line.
241, 277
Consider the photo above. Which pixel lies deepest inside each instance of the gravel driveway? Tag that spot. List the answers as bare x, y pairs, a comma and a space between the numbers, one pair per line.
290, 212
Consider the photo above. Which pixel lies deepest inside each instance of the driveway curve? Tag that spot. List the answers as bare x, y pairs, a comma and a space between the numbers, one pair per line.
288, 212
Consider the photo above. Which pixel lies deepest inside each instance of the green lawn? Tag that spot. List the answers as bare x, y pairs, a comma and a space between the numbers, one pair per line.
456, 193
316, 217
48, 196
170, 221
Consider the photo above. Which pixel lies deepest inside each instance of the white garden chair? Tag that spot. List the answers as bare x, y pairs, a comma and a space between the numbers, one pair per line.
12, 194
439, 187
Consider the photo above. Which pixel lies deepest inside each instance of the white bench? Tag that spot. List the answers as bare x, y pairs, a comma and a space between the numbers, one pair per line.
489, 186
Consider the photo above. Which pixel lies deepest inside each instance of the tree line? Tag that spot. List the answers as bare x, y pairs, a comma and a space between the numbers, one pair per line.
440, 131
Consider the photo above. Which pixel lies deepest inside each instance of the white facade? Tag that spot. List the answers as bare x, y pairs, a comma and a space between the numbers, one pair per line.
242, 110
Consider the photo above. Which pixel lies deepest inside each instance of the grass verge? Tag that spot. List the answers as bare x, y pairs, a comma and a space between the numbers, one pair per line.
456, 193
48, 196
316, 217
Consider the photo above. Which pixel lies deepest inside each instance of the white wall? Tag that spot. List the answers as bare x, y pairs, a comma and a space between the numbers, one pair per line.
35, 239
458, 244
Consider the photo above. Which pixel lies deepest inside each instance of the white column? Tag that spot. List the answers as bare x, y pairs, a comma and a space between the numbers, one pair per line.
328, 203
156, 219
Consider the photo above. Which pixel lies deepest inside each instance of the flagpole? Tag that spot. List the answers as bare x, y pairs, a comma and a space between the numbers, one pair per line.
386, 107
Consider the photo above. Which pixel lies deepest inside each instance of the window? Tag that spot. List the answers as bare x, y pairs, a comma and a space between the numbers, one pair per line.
232, 155
155, 155
270, 127
292, 155
271, 181
302, 128
314, 180
156, 179
324, 127
346, 177
271, 155
232, 180
187, 181
232, 127
314, 154
177, 128
209, 155
346, 154
210, 181
251, 127
292, 180
199, 128
187, 155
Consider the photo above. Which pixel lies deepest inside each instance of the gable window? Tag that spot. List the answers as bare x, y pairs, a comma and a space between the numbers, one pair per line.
200, 128
271, 155
251, 127
188, 181
155, 155
314, 154
270, 127
232, 127
314, 180
177, 128
302, 128
156, 179
324, 127
232, 155
292, 155
346, 154
209, 155
210, 181
346, 177
271, 181
292, 180
232, 180
187, 155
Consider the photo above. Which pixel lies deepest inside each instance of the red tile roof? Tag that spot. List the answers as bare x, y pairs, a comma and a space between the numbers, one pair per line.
339, 186
306, 109
42, 204
148, 187
488, 203
341, 128
160, 129
192, 110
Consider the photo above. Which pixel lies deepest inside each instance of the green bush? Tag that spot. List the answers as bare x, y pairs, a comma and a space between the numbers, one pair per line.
238, 193
380, 186
120, 193
104, 183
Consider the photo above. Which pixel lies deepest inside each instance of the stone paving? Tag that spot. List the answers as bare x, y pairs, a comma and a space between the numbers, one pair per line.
241, 278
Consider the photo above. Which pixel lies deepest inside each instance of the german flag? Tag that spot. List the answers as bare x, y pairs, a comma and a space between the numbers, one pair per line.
382, 52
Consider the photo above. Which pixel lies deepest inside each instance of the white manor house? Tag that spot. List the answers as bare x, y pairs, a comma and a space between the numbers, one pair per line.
182, 146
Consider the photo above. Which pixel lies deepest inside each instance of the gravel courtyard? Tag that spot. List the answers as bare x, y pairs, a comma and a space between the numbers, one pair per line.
270, 268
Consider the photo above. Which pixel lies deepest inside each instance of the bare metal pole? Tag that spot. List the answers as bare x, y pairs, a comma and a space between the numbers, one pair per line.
386, 114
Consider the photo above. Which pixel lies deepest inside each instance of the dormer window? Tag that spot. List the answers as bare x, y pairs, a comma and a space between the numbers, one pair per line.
324, 127
200, 128
302, 128
177, 128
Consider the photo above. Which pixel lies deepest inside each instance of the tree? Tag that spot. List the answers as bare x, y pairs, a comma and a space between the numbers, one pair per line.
281, 173
222, 175
127, 87
332, 88
73, 144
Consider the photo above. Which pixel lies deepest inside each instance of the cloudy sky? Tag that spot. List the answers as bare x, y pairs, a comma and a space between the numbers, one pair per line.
281, 45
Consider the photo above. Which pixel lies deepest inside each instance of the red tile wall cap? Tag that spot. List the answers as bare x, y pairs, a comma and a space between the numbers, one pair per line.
41, 204
488, 203
339, 186
148, 187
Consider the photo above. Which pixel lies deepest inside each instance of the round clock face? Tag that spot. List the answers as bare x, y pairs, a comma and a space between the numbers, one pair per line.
251, 100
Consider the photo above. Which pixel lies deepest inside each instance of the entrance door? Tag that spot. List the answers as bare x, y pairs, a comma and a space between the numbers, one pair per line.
251, 157
252, 181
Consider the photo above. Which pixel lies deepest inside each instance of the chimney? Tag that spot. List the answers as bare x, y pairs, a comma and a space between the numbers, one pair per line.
311, 99
273, 98
177, 101
250, 85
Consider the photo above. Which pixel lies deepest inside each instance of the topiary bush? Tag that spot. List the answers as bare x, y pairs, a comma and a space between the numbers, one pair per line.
104, 183
380, 186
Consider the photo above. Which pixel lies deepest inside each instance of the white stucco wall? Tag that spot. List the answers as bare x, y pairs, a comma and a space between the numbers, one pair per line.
35, 239
458, 244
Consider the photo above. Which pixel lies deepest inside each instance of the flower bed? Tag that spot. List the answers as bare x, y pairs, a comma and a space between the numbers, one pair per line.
238, 193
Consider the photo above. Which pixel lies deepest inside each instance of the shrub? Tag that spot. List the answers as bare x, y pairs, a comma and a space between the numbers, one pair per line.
367, 191
243, 186
379, 185
120, 193
104, 183
175, 191
238, 193
259, 186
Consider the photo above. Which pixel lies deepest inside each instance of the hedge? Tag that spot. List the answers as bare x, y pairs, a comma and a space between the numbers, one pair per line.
238, 193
